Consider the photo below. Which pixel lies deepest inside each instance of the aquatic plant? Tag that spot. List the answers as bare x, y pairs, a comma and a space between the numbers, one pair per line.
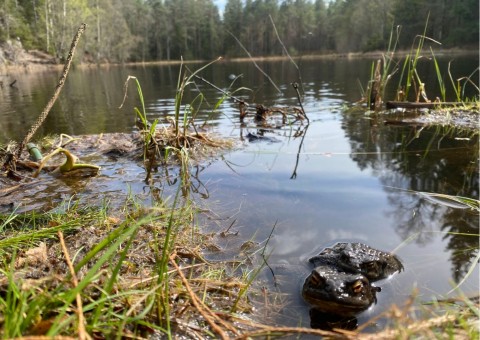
410, 86
382, 71
147, 128
181, 135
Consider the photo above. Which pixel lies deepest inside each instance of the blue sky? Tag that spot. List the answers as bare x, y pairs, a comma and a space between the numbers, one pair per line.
220, 4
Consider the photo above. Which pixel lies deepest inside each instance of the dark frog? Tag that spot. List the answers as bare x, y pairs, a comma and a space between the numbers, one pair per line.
341, 280
336, 292
359, 258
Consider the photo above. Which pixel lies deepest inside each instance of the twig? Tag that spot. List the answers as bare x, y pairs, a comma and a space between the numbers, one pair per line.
286, 52
44, 337
295, 86
253, 61
82, 333
263, 254
58, 89
207, 314
221, 90
268, 332
414, 328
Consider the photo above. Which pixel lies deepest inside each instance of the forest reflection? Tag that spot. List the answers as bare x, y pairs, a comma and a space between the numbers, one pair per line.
419, 159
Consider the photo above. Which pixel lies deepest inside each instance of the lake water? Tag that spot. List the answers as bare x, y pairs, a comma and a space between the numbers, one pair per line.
346, 176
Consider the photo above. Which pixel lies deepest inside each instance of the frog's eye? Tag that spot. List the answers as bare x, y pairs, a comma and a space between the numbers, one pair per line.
344, 258
357, 287
370, 266
316, 280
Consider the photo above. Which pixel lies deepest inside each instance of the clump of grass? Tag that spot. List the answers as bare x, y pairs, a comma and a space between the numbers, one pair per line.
180, 135
410, 85
382, 71
145, 126
138, 274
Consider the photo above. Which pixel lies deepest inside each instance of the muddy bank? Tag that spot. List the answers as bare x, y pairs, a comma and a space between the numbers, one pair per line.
462, 119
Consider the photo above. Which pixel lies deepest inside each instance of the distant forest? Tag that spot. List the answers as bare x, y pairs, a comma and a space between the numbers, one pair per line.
143, 30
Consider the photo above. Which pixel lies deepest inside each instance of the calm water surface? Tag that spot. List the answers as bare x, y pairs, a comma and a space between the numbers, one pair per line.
345, 177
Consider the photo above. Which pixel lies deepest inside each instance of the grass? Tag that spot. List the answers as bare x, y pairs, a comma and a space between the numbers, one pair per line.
410, 86
129, 273
439, 319
180, 134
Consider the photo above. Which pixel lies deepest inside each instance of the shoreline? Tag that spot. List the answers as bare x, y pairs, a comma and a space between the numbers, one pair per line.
27, 65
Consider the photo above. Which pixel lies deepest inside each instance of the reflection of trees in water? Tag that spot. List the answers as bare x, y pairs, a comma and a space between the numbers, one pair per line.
413, 216
463, 247
428, 159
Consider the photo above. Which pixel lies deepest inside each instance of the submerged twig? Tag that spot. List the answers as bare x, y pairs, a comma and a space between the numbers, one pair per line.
263, 254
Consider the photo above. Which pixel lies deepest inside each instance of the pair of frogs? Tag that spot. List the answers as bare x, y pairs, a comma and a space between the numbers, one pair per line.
341, 282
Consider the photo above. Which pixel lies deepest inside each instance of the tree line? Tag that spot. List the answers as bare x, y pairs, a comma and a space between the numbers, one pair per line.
142, 30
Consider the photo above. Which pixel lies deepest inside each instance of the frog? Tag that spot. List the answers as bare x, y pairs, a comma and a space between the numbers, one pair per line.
356, 257
341, 282
337, 292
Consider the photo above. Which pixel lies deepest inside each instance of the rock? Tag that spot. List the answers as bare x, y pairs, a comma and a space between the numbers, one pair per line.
13, 53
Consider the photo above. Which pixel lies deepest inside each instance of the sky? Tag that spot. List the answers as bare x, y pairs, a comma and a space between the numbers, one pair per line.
220, 4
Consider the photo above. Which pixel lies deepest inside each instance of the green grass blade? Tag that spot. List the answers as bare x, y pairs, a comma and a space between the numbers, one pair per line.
454, 86
113, 277
441, 83
70, 295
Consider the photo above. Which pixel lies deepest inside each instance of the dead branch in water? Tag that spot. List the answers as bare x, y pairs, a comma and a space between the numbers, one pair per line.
58, 89
295, 86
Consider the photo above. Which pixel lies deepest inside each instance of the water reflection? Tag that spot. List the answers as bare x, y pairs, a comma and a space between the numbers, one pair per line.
430, 159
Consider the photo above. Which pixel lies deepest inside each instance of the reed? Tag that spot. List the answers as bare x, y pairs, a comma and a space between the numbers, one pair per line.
410, 86
147, 128
185, 79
